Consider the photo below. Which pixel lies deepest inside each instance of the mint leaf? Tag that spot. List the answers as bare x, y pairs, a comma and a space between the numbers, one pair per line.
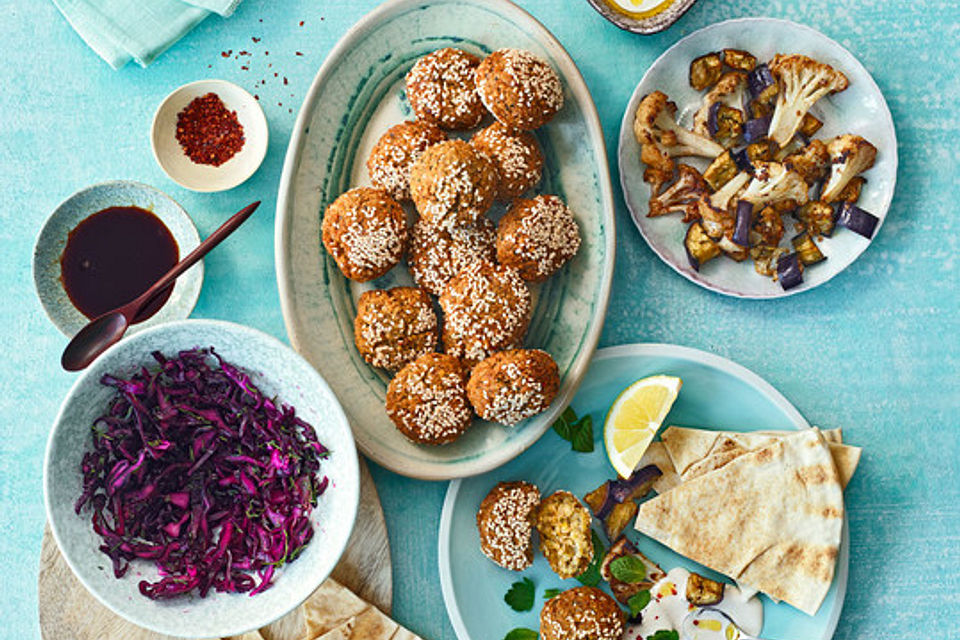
564, 424
638, 601
521, 633
582, 440
551, 593
591, 577
521, 595
629, 569
663, 634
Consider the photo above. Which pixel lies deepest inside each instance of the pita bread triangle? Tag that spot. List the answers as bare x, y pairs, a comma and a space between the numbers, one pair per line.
771, 519
698, 451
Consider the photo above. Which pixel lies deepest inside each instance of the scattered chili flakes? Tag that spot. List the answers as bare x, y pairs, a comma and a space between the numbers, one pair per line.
227, 53
208, 132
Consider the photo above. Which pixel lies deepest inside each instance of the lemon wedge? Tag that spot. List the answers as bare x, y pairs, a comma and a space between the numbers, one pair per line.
634, 419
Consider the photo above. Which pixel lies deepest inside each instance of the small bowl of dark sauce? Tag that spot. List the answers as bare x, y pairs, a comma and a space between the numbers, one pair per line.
104, 246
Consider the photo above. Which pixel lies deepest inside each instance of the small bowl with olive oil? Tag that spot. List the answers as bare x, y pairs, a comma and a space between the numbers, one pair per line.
105, 245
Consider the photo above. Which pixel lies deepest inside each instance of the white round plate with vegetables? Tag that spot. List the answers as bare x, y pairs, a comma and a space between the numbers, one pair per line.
860, 110
715, 392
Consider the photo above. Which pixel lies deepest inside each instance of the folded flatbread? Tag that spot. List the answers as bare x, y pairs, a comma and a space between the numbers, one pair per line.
656, 454
333, 612
695, 452
770, 519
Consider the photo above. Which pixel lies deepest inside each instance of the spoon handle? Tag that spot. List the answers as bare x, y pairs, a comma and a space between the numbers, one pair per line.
194, 256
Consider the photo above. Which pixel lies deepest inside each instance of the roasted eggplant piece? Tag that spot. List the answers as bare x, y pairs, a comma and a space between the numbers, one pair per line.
700, 247
812, 162
741, 232
705, 71
727, 124
809, 125
721, 170
623, 591
756, 129
790, 271
816, 217
613, 501
739, 59
857, 220
703, 592
851, 192
807, 250
752, 153
763, 90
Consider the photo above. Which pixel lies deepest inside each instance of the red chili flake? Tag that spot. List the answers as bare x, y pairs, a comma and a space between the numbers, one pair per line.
256, 97
266, 53
301, 22
245, 68
226, 54
298, 53
244, 53
255, 39
208, 132
285, 81
275, 74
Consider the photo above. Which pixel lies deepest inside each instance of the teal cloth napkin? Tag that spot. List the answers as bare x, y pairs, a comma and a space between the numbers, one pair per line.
121, 30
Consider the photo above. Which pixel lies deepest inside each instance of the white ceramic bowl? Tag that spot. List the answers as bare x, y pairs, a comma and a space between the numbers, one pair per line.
52, 240
278, 371
860, 109
201, 177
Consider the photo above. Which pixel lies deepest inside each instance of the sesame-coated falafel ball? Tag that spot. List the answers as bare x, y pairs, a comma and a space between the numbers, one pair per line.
441, 88
395, 326
513, 385
365, 231
436, 254
427, 400
515, 155
486, 308
452, 185
537, 236
520, 89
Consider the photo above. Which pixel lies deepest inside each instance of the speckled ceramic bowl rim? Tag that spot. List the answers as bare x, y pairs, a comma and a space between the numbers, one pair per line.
183, 299
241, 176
626, 128
284, 204
350, 458
655, 24
649, 350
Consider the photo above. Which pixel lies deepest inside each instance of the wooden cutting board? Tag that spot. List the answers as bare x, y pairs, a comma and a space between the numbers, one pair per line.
68, 612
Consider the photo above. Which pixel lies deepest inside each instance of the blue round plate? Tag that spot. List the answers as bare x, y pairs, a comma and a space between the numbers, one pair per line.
716, 393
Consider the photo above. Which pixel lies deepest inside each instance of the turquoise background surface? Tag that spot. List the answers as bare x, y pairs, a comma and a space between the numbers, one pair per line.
875, 351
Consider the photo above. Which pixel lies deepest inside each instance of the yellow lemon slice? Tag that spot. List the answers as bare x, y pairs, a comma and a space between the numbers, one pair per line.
634, 419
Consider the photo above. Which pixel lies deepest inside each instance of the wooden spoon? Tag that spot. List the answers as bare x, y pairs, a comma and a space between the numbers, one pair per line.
107, 329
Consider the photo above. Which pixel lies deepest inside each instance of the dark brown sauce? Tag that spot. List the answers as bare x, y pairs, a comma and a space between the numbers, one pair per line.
113, 256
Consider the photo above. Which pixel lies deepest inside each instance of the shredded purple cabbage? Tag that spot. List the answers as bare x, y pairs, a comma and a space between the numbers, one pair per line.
194, 469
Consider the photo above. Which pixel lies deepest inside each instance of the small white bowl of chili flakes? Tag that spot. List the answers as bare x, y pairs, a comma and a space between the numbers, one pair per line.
209, 135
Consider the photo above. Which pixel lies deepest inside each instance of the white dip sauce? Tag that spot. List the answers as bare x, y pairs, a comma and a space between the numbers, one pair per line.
669, 606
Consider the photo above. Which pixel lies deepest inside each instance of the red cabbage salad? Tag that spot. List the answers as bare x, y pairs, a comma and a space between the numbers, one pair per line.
196, 471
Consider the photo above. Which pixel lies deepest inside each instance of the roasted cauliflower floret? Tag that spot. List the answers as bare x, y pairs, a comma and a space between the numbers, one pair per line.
655, 125
772, 182
802, 82
716, 211
811, 162
767, 228
850, 155
681, 196
817, 217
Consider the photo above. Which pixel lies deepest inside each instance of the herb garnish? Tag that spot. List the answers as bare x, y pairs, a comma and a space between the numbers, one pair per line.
578, 432
521, 595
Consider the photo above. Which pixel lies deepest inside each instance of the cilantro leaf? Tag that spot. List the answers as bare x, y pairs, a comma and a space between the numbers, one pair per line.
591, 577
663, 634
521, 595
521, 633
638, 601
551, 593
630, 569
583, 435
